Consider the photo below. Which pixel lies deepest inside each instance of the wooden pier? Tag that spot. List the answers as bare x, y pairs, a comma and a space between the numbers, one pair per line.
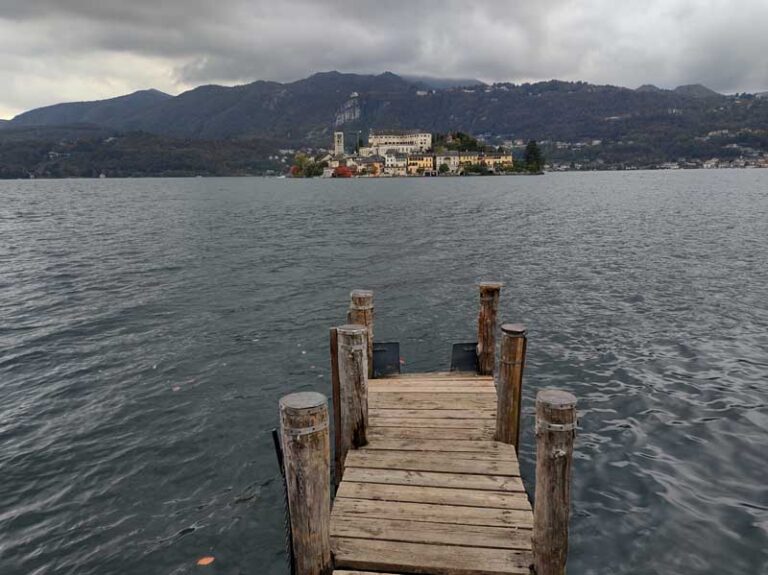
426, 471
432, 492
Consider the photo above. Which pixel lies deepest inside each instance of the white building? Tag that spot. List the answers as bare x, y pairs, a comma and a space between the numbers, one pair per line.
450, 159
405, 142
395, 163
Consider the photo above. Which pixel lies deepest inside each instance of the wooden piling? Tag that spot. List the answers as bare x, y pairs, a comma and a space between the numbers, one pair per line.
486, 326
306, 452
361, 313
336, 402
555, 432
353, 389
510, 383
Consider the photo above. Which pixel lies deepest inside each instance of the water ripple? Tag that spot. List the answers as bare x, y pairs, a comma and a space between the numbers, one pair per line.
148, 328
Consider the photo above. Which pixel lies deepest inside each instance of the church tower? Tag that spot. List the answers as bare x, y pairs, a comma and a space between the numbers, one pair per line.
338, 143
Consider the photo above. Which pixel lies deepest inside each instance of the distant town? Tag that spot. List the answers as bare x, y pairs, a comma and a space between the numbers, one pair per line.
415, 153
409, 153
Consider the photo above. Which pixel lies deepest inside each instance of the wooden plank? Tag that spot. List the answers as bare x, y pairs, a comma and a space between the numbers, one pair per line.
426, 558
438, 376
432, 389
439, 457
433, 422
454, 514
430, 433
433, 479
439, 533
416, 378
459, 463
433, 374
435, 495
492, 448
434, 414
432, 401
416, 383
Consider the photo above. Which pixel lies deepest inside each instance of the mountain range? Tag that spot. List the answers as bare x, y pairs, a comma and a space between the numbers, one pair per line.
631, 125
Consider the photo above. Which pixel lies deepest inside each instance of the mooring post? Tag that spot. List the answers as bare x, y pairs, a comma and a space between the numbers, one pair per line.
555, 432
307, 460
353, 390
361, 313
486, 327
510, 383
336, 406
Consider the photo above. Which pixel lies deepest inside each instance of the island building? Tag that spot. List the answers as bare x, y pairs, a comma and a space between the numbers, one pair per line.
338, 143
407, 153
396, 164
449, 159
421, 164
399, 141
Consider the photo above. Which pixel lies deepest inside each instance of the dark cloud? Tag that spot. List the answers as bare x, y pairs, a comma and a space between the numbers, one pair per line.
56, 50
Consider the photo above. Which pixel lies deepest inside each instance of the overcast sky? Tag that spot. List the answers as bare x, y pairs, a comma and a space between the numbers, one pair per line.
64, 50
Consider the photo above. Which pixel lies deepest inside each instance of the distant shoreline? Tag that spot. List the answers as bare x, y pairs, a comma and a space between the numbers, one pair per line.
283, 177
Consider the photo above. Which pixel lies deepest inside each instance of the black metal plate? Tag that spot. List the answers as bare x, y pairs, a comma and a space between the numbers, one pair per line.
386, 359
464, 357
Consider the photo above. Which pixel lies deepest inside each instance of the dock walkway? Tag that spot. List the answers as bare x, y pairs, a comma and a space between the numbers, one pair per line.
432, 492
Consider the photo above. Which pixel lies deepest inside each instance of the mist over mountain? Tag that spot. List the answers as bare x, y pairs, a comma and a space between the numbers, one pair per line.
603, 123
696, 91
432, 83
308, 110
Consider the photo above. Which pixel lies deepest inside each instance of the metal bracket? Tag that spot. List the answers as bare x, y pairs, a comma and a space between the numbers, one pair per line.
546, 426
306, 430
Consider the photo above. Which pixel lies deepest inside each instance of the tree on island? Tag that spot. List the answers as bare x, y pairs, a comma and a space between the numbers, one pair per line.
457, 141
305, 167
342, 172
533, 159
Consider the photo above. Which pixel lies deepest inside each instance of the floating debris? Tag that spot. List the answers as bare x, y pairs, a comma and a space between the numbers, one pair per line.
207, 560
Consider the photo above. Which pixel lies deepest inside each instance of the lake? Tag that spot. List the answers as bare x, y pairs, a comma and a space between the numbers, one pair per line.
149, 327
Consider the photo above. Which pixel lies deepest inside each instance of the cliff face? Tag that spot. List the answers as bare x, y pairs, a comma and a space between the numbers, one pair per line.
348, 112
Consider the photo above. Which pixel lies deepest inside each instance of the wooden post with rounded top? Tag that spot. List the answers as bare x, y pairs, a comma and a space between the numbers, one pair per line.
555, 432
510, 383
361, 313
486, 327
353, 389
307, 460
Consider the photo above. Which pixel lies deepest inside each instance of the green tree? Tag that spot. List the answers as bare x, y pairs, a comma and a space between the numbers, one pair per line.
443, 169
533, 158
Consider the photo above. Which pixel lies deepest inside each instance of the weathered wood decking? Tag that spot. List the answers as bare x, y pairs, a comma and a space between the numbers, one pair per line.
432, 492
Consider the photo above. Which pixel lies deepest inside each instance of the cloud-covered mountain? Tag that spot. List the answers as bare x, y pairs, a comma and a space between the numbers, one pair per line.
603, 124
308, 110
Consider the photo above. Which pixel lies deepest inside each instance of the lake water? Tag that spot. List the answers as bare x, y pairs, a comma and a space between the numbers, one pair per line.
148, 328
